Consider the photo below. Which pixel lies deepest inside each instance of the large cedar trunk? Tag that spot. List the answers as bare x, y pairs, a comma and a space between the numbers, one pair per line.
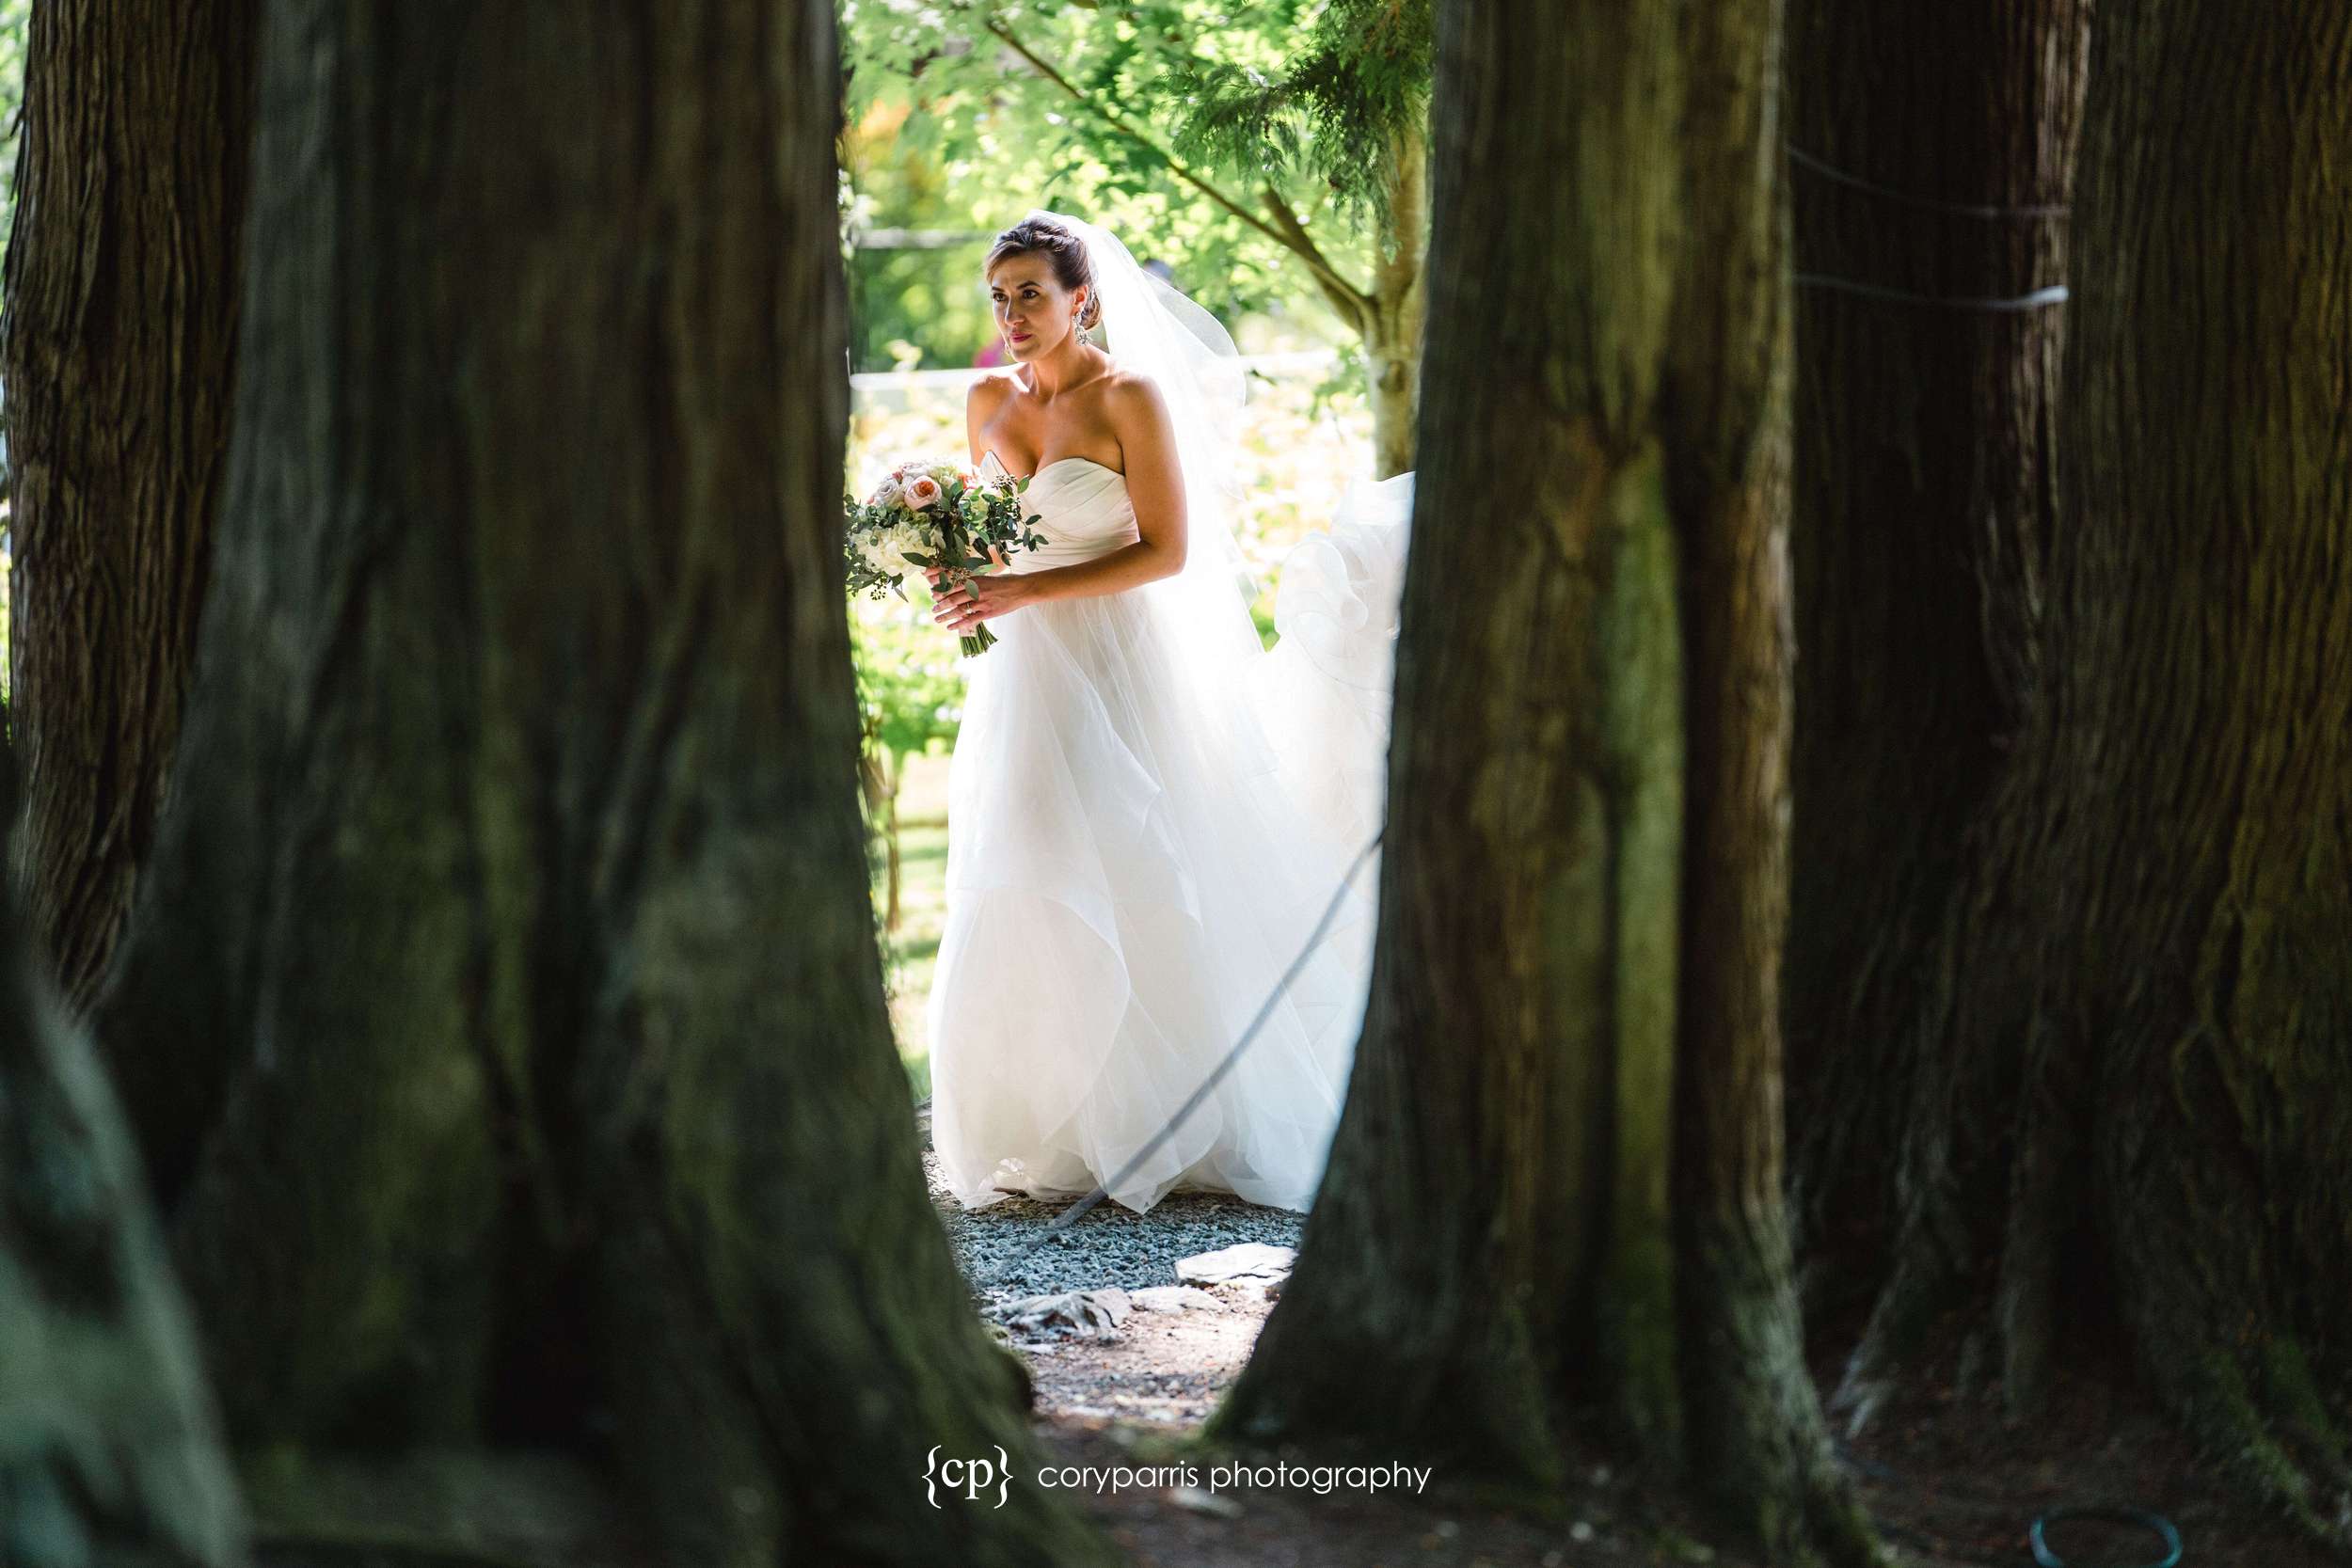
108, 1438
2134, 1082
501, 1007
1926, 501
1556, 1183
123, 287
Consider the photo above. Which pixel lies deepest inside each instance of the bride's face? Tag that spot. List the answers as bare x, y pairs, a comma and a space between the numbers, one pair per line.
1034, 311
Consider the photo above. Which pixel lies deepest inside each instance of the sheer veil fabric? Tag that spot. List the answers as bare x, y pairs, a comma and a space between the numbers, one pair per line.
1147, 814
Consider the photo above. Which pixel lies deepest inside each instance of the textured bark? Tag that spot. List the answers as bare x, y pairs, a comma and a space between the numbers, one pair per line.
123, 287
109, 1440
1556, 1185
2152, 996
1925, 503
502, 1003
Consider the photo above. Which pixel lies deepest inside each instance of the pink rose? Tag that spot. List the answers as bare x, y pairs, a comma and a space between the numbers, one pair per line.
922, 491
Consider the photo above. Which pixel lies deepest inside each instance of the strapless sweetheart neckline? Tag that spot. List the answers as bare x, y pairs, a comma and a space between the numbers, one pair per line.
1059, 461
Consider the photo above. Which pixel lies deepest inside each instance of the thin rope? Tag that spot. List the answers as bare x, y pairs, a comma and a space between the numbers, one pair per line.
1926, 203
1071, 1215
2038, 299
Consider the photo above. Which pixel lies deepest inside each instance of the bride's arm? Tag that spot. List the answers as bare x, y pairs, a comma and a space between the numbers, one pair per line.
1155, 485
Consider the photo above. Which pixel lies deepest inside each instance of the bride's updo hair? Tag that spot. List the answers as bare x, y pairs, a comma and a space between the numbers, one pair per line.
1065, 251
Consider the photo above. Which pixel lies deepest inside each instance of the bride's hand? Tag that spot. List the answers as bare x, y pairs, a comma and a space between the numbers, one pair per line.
976, 599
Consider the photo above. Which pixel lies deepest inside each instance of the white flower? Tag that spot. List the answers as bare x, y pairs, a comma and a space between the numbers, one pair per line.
885, 549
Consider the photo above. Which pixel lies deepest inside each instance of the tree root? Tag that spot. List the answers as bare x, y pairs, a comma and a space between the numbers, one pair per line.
2276, 1438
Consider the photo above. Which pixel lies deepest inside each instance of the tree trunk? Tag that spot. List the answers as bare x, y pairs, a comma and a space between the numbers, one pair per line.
891, 845
1926, 482
108, 1438
1556, 1184
2137, 1122
118, 349
1393, 321
880, 771
503, 1002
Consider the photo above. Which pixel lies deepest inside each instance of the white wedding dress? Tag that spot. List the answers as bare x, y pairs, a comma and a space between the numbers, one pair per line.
1140, 838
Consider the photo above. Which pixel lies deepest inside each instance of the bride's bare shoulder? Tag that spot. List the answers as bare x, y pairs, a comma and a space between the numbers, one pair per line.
992, 388
1132, 391
1120, 379
1137, 411
984, 404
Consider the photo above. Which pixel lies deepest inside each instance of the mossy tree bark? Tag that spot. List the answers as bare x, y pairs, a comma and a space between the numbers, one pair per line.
1925, 503
2134, 1119
502, 1006
109, 1441
1556, 1192
118, 350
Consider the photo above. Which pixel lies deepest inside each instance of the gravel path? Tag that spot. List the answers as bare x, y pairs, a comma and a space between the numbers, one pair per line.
1111, 1246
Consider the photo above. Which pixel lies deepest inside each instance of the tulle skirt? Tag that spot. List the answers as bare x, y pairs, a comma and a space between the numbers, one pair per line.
1136, 855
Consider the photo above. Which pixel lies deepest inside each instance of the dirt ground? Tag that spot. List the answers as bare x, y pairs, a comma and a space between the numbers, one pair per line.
1950, 1483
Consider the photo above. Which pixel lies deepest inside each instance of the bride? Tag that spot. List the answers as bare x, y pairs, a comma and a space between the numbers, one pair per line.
1147, 812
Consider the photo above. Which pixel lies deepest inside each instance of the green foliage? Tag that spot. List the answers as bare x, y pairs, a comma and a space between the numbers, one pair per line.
965, 116
911, 304
909, 688
1330, 113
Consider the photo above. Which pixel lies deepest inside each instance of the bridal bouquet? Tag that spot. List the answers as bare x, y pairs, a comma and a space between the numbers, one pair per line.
925, 514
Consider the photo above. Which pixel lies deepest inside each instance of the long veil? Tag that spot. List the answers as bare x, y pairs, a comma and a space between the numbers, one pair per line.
1316, 710
1154, 331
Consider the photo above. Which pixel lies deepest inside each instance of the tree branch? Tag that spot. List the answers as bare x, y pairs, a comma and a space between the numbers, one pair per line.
1397, 269
1350, 300
1352, 304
